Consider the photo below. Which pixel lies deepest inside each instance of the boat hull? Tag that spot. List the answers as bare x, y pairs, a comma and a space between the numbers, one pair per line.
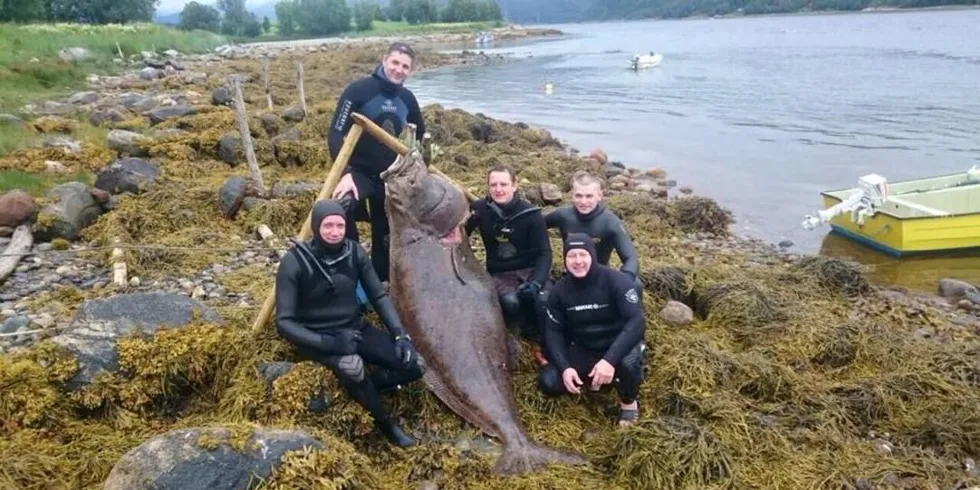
901, 237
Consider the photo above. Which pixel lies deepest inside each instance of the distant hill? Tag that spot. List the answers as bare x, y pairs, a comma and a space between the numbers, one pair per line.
264, 10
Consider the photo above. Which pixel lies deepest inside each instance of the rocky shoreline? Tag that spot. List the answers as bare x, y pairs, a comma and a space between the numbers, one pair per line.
760, 355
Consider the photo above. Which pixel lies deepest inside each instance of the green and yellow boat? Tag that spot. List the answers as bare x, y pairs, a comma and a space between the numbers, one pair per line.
932, 215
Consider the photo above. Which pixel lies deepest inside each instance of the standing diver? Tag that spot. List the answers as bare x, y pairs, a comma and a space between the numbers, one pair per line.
518, 251
317, 311
382, 98
589, 215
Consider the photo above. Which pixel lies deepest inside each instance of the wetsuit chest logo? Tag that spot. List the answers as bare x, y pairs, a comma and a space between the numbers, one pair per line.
389, 106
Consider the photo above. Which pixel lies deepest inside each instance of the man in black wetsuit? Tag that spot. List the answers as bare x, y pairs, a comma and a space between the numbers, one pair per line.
382, 98
594, 329
318, 312
589, 215
518, 250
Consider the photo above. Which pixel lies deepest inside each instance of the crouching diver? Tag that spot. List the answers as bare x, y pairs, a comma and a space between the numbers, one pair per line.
594, 329
318, 312
518, 251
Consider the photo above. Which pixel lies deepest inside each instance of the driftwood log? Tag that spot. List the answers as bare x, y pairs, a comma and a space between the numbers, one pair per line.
20, 243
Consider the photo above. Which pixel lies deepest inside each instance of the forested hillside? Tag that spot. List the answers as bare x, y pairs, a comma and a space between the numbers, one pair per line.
576, 10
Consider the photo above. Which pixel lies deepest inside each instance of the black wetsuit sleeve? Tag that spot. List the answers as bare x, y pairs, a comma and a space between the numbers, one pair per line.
553, 219
632, 314
377, 295
349, 102
415, 115
554, 332
287, 304
473, 222
542, 264
624, 248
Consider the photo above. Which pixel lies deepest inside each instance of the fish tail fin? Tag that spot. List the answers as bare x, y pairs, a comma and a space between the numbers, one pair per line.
527, 456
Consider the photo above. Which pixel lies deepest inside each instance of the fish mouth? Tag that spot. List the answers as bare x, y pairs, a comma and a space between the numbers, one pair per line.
455, 236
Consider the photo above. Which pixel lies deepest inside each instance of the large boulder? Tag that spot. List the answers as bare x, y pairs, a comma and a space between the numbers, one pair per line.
205, 458
127, 143
16, 207
72, 208
104, 117
161, 114
74, 54
231, 195
955, 290
132, 175
230, 149
98, 324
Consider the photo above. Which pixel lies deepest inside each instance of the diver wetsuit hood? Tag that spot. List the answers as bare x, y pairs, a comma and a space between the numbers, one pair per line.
322, 209
584, 242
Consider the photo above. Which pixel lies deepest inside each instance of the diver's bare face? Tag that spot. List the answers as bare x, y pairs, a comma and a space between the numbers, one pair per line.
585, 197
332, 229
502, 187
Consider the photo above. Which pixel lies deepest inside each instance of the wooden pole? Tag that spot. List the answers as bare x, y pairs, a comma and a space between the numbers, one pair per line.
241, 116
299, 85
398, 147
265, 81
304, 232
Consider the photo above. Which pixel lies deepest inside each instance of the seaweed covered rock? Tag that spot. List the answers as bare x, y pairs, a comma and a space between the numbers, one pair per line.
72, 209
743, 307
127, 143
695, 214
834, 274
667, 283
206, 458
317, 400
133, 175
99, 323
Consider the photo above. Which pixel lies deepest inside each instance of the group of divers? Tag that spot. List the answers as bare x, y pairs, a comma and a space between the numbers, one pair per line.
588, 326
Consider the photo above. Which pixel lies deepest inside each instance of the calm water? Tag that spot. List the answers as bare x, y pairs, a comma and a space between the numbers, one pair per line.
759, 113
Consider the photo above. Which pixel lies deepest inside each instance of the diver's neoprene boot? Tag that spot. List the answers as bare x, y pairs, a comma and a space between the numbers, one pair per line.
394, 433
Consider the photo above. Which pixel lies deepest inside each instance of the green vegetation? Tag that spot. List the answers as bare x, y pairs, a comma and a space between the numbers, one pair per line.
31, 68
87, 11
38, 185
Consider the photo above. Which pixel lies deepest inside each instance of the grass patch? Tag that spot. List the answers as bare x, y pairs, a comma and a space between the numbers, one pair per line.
38, 184
30, 67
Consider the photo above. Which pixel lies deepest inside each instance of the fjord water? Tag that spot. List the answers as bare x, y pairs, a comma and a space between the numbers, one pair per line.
759, 113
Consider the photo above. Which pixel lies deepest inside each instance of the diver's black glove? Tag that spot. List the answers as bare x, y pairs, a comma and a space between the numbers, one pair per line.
528, 291
341, 343
404, 350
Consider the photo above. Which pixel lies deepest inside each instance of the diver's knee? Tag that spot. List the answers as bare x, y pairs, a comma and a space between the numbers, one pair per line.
418, 368
632, 362
351, 367
638, 284
549, 380
510, 303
